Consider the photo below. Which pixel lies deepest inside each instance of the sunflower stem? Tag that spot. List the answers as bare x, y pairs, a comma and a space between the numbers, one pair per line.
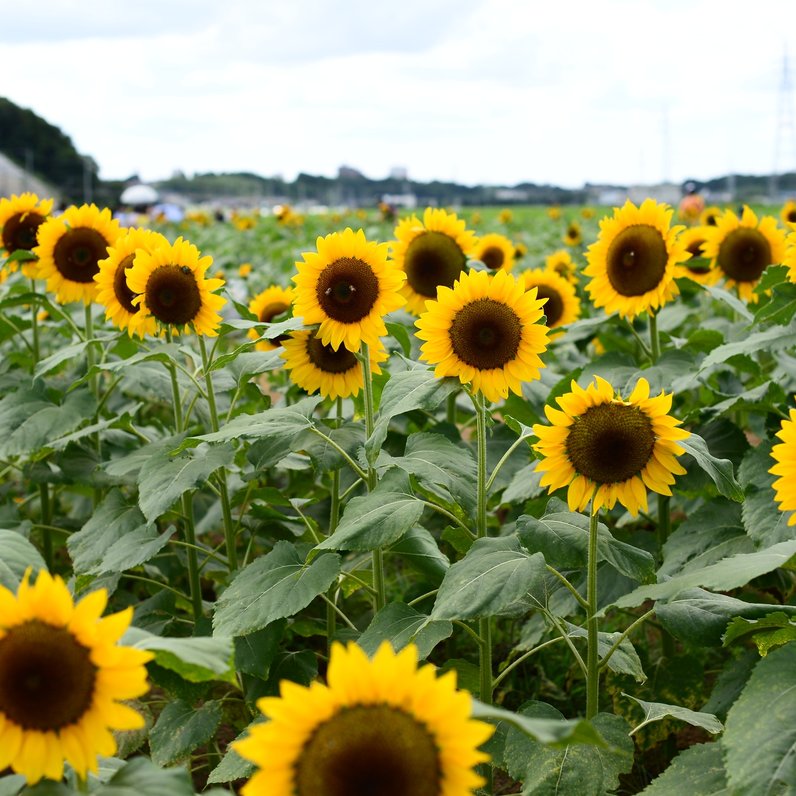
221, 477
450, 414
46, 522
655, 338
34, 328
334, 518
592, 652
378, 557
663, 531
94, 384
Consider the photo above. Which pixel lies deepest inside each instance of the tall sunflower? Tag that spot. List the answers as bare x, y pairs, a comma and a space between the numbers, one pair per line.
562, 263
572, 235
709, 217
267, 305
171, 287
347, 286
495, 251
784, 454
112, 289
63, 679
562, 305
432, 253
20, 219
485, 331
696, 267
788, 214
604, 448
383, 726
741, 249
70, 248
315, 367
633, 259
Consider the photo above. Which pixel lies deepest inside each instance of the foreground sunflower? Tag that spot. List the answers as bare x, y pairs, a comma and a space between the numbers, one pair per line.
346, 287
606, 449
112, 289
696, 267
495, 251
784, 454
562, 263
383, 726
20, 219
315, 367
788, 213
740, 249
633, 259
562, 305
432, 253
63, 679
485, 331
268, 305
171, 287
70, 248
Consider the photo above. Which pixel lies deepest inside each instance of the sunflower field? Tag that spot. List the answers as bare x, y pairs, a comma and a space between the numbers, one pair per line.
430, 504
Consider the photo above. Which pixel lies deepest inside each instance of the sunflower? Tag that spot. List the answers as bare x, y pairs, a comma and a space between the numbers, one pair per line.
505, 216
520, 250
381, 726
606, 449
170, 286
111, 279
432, 253
20, 218
562, 305
696, 267
495, 251
790, 255
709, 217
554, 212
784, 454
70, 248
632, 262
315, 367
741, 249
486, 331
268, 305
63, 679
244, 270
572, 235
788, 213
587, 212
346, 287
562, 263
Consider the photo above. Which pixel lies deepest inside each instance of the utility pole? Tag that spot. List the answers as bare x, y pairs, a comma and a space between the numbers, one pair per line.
785, 140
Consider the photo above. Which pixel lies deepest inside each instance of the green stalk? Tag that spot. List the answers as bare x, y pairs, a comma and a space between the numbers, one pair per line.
378, 557
221, 477
34, 327
450, 414
592, 652
46, 532
655, 339
334, 518
91, 361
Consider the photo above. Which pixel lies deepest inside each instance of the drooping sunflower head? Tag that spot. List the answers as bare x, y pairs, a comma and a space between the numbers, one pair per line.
710, 216
495, 251
347, 286
740, 249
432, 253
316, 367
70, 248
697, 266
112, 289
562, 263
20, 219
572, 234
561, 303
381, 726
268, 306
606, 449
63, 679
632, 263
784, 454
486, 331
170, 286
788, 214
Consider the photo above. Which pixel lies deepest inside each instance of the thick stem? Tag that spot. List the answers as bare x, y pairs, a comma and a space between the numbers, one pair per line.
334, 518
221, 477
34, 327
655, 339
91, 361
46, 521
663, 531
450, 414
592, 652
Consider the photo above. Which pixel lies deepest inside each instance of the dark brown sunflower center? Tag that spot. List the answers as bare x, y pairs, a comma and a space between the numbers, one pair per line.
636, 260
46, 677
695, 247
744, 254
485, 334
271, 311
791, 217
553, 307
433, 259
77, 253
373, 750
122, 292
347, 289
712, 220
573, 233
493, 257
325, 358
610, 443
19, 232
172, 294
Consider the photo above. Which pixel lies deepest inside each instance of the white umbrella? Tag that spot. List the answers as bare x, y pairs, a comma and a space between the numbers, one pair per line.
139, 195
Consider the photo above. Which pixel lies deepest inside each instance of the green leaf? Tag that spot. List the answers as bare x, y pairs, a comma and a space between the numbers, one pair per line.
760, 738
273, 587
719, 470
770, 340
495, 573
401, 625
624, 659
655, 711
164, 479
419, 549
141, 777
763, 520
62, 355
180, 729
232, 765
16, 555
698, 771
11, 784
349, 436
400, 334
730, 300
255, 652
768, 633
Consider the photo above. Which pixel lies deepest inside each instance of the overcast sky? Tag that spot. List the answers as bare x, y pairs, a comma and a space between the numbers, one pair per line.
477, 91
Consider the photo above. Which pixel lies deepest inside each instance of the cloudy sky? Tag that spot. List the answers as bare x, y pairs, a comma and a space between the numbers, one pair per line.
492, 91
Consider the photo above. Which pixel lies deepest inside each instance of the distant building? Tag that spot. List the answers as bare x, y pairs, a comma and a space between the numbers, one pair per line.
15, 180
399, 173
511, 195
407, 200
667, 192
